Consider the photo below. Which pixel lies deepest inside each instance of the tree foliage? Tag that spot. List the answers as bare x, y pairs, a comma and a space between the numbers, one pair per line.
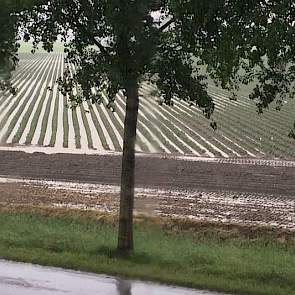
237, 41
8, 37
8, 46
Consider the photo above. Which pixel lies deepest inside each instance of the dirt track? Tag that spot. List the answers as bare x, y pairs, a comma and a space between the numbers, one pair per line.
154, 172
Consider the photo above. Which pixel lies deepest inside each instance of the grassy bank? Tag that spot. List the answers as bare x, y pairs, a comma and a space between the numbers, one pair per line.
199, 257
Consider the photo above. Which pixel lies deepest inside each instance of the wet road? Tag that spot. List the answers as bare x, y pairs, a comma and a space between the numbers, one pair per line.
28, 279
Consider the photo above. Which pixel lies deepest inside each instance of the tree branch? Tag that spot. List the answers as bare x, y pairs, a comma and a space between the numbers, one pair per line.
166, 25
102, 49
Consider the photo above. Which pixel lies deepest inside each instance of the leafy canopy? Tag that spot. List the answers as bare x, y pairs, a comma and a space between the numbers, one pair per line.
8, 37
168, 42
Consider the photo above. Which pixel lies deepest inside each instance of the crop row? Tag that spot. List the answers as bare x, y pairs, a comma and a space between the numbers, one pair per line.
38, 116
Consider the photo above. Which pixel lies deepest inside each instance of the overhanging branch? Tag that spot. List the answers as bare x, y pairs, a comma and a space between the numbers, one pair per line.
102, 49
166, 25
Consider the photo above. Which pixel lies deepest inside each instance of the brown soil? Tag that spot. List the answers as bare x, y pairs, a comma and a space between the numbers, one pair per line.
218, 207
155, 172
230, 193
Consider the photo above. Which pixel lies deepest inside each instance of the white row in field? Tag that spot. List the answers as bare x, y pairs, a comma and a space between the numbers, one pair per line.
38, 117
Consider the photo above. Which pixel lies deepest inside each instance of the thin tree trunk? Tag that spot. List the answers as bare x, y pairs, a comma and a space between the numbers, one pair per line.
125, 237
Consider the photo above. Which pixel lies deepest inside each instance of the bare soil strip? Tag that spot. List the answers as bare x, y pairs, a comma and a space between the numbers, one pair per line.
242, 191
156, 172
220, 207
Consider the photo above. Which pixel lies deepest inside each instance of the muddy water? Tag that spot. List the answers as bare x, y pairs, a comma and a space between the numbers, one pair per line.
27, 279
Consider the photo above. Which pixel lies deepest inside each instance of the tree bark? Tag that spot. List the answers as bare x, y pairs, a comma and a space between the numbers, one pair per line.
125, 236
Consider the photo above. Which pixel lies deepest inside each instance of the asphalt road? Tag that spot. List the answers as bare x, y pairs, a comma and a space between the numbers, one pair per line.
28, 279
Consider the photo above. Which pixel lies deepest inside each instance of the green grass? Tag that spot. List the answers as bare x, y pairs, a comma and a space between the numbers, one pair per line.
195, 258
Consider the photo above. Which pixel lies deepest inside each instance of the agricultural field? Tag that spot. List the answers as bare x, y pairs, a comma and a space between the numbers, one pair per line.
37, 118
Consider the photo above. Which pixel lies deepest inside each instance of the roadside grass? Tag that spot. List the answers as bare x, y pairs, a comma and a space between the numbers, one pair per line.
200, 257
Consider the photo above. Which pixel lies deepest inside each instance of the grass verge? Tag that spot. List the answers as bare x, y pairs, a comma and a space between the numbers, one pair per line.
191, 255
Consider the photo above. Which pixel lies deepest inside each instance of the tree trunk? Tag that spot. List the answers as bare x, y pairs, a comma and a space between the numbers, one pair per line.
125, 237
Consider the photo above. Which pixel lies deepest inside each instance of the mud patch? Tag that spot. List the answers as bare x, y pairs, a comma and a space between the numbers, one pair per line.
223, 206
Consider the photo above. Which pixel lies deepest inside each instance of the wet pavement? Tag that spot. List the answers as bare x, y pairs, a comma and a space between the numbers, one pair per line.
28, 279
